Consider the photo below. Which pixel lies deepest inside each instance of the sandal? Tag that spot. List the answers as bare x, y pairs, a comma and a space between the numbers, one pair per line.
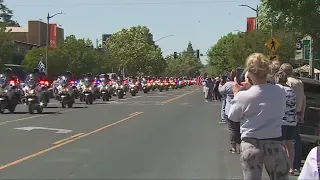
233, 151
291, 171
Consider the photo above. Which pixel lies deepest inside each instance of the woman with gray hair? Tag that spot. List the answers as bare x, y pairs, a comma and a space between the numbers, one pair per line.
260, 109
290, 117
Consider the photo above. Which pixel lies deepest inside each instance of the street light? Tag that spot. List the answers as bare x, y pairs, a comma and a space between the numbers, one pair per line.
163, 38
256, 10
47, 40
239, 31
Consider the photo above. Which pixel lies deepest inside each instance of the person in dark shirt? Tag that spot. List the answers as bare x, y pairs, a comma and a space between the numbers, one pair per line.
217, 95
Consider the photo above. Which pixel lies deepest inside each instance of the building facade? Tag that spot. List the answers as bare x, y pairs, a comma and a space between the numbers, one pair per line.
33, 36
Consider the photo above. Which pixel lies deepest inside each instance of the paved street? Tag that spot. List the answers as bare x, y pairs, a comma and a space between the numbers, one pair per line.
169, 135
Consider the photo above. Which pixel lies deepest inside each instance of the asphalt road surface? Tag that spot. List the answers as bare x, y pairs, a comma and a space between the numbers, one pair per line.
168, 135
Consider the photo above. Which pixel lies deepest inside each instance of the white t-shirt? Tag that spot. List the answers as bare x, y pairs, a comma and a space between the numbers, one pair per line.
290, 116
260, 110
310, 168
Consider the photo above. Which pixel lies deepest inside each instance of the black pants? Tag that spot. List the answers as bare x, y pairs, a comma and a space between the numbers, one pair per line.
217, 95
234, 128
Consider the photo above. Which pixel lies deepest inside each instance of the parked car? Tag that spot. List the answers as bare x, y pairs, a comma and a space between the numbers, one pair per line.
310, 129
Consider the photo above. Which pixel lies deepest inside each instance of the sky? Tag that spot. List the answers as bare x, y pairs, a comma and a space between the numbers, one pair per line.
203, 22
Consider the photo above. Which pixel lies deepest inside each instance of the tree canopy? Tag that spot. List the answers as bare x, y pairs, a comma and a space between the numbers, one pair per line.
134, 50
6, 15
186, 64
232, 50
299, 16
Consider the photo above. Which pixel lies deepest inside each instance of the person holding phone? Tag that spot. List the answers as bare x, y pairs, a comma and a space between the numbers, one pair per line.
234, 127
260, 108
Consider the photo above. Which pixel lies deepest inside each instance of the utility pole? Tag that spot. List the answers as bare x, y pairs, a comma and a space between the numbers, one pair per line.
47, 39
311, 65
256, 10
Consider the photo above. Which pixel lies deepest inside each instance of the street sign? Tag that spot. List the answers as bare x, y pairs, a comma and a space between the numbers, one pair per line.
306, 42
273, 57
273, 44
298, 46
58, 131
306, 51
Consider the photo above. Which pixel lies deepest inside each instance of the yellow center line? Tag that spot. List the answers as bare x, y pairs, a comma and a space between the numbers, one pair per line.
68, 138
177, 97
68, 141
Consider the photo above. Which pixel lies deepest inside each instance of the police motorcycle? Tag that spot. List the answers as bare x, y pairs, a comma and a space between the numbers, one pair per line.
105, 88
87, 91
74, 86
160, 85
96, 88
120, 89
65, 93
133, 88
8, 94
34, 96
44, 91
54, 86
114, 86
166, 84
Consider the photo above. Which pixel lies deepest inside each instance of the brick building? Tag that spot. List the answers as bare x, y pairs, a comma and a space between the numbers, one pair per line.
33, 36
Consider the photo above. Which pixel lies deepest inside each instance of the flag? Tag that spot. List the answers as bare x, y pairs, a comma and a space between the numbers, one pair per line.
41, 66
251, 24
199, 80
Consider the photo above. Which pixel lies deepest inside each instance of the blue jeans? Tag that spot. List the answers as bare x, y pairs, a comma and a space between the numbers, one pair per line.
297, 149
223, 106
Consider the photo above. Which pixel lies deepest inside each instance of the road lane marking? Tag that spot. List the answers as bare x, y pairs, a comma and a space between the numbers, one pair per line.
58, 131
22, 119
134, 97
177, 97
35, 116
68, 141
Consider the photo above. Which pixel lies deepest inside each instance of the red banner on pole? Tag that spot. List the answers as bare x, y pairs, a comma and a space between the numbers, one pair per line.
53, 36
251, 24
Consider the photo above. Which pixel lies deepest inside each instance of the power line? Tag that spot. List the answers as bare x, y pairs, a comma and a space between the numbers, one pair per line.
137, 3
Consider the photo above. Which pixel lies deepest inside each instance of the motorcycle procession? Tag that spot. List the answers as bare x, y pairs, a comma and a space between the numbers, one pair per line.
35, 91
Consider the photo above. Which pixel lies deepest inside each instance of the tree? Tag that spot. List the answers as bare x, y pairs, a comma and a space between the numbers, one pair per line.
6, 15
185, 65
33, 57
6, 47
232, 50
75, 55
300, 16
135, 51
221, 55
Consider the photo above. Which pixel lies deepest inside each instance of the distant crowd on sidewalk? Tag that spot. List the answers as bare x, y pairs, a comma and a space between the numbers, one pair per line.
263, 114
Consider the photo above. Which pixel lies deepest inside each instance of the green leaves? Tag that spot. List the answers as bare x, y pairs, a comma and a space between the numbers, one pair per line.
232, 50
6, 15
134, 49
6, 47
184, 65
75, 55
299, 16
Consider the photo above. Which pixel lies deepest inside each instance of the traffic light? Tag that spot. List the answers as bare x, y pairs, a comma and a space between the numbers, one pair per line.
198, 53
175, 55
